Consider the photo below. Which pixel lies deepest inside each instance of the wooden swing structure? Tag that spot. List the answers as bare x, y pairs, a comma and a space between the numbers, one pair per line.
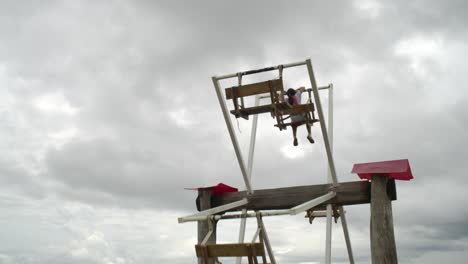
277, 107
325, 200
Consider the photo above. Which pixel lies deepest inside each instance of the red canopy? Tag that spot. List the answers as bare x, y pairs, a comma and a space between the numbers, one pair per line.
217, 189
396, 169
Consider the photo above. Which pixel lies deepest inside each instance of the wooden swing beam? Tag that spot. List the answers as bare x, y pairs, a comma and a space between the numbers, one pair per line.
347, 193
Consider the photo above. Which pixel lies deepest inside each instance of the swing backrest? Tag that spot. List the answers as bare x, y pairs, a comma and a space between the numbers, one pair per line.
275, 85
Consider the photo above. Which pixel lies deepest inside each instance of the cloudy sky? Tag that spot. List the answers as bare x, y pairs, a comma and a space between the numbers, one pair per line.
107, 112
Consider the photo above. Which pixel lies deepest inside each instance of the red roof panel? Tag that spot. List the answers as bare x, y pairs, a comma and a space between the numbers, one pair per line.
396, 169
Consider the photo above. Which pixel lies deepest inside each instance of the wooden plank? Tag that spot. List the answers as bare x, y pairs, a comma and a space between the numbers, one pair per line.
254, 110
383, 247
231, 250
282, 107
347, 193
296, 123
253, 88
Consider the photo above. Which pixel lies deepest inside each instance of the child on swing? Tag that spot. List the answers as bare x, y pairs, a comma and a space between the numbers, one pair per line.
294, 98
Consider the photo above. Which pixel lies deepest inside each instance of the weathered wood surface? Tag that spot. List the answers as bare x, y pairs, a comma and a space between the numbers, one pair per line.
298, 109
383, 247
204, 196
347, 193
255, 110
253, 89
232, 250
283, 108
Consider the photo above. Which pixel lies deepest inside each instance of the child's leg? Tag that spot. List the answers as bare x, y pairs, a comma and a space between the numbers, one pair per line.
309, 134
294, 129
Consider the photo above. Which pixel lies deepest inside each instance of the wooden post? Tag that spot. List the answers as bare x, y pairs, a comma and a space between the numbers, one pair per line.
383, 248
204, 196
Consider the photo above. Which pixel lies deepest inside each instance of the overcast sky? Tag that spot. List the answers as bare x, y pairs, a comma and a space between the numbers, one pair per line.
107, 112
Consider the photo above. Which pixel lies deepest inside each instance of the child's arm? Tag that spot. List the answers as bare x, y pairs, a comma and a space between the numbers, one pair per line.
301, 89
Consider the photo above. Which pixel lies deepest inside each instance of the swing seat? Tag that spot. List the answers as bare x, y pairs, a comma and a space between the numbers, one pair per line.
277, 108
305, 109
273, 87
254, 110
249, 250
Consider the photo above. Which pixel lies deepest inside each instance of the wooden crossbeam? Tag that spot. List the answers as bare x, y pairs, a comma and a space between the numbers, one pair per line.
347, 193
231, 250
253, 89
